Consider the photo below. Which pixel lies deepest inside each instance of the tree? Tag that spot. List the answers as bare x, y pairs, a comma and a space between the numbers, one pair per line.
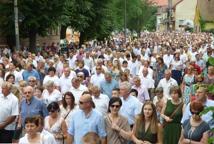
7, 28
92, 18
38, 17
141, 14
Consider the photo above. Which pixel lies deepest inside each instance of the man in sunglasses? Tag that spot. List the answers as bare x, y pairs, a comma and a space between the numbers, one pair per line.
86, 120
201, 96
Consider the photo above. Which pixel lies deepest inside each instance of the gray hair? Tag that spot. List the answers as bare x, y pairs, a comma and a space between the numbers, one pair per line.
49, 83
126, 85
8, 85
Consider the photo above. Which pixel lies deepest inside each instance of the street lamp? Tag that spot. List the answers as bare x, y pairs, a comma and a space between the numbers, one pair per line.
16, 21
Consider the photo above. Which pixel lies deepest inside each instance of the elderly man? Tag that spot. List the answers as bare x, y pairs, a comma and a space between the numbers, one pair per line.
100, 100
97, 77
31, 106
201, 95
146, 80
77, 88
131, 106
86, 120
8, 112
65, 79
108, 84
166, 83
143, 94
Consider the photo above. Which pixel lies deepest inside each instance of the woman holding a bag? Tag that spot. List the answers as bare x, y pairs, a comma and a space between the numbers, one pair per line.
55, 124
172, 113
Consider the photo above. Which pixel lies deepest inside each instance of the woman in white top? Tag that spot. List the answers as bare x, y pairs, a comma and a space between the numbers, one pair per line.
55, 124
50, 94
32, 135
68, 107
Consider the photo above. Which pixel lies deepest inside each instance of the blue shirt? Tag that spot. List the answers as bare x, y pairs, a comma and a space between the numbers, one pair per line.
35, 107
27, 73
130, 108
208, 117
106, 87
80, 125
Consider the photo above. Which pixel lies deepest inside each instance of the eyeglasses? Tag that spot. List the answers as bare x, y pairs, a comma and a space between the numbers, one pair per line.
195, 113
116, 106
31, 80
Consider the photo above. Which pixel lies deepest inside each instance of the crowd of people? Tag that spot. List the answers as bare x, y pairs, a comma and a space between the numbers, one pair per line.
148, 89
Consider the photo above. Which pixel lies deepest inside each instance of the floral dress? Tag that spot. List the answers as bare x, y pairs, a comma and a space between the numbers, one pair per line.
188, 88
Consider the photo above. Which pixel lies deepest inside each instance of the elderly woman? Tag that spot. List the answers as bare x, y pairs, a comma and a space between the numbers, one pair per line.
50, 94
195, 130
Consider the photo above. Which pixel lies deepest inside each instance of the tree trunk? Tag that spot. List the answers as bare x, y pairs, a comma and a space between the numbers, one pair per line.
32, 40
63, 31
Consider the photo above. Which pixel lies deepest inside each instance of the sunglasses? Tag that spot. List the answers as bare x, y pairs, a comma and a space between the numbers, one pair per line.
195, 113
52, 110
81, 102
116, 106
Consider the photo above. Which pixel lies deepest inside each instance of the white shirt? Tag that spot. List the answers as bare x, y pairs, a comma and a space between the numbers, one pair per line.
44, 139
89, 63
68, 114
78, 92
18, 76
147, 82
55, 96
55, 79
97, 79
150, 72
65, 83
166, 85
101, 103
9, 107
167, 59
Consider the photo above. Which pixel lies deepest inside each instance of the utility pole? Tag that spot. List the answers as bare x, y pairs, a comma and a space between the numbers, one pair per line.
16, 24
125, 34
170, 15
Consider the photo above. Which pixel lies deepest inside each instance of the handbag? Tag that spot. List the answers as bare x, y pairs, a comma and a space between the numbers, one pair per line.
173, 114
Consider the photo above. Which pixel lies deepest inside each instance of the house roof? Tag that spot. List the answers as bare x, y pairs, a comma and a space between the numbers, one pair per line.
206, 9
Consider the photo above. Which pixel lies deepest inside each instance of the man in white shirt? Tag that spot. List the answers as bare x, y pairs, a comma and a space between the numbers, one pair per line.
8, 112
97, 77
88, 61
100, 100
77, 89
167, 82
146, 64
167, 58
146, 80
65, 80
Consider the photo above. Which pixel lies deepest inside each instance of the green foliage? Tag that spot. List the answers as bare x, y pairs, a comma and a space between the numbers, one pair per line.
206, 110
92, 18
